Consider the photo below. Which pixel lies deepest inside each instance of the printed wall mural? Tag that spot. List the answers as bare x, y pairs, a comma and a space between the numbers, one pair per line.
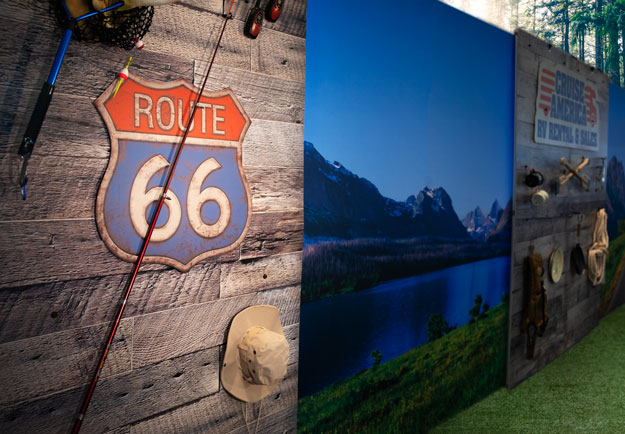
613, 290
407, 196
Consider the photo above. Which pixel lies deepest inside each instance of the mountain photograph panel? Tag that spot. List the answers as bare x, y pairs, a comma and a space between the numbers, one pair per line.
613, 287
407, 208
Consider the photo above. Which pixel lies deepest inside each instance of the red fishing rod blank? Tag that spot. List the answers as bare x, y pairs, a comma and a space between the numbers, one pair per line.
146, 241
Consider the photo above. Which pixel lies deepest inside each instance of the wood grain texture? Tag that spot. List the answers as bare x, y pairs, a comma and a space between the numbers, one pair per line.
292, 19
174, 332
71, 249
50, 192
276, 189
44, 364
62, 286
279, 55
282, 422
120, 400
272, 234
41, 309
572, 304
221, 412
260, 274
278, 99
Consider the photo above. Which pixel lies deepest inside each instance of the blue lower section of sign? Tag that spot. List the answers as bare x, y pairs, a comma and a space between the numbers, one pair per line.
185, 244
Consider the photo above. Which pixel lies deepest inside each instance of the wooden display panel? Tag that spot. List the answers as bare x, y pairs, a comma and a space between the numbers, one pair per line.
60, 287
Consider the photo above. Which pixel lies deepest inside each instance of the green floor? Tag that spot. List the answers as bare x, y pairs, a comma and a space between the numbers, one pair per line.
583, 391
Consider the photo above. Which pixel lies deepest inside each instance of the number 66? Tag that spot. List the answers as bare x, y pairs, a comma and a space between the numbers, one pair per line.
140, 199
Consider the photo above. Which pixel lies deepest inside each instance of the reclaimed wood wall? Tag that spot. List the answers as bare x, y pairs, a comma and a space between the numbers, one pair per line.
60, 287
573, 303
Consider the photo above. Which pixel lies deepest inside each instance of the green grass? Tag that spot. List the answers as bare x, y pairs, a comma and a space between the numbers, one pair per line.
416, 390
613, 270
583, 391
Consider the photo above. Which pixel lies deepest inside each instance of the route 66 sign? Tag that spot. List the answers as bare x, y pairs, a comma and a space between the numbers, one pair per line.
208, 205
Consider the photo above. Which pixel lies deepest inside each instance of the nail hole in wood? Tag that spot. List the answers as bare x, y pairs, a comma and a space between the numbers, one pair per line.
264, 276
177, 374
147, 386
54, 314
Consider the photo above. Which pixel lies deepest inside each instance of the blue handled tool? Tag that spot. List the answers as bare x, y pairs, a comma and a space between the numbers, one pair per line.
45, 96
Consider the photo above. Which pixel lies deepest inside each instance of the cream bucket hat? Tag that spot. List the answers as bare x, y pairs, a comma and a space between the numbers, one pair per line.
257, 354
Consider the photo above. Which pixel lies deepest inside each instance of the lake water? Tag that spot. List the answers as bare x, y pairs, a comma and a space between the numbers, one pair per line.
338, 334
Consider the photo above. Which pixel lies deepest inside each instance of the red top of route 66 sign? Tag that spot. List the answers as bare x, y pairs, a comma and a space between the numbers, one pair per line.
208, 205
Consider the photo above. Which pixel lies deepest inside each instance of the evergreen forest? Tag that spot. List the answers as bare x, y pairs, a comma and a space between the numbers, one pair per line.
591, 30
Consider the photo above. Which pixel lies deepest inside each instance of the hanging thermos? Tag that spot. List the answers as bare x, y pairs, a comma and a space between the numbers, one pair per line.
273, 10
254, 21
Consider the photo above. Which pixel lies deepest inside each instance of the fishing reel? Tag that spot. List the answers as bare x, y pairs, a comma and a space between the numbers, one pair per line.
254, 21
273, 10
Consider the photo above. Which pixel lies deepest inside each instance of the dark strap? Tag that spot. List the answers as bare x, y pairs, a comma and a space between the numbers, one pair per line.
36, 120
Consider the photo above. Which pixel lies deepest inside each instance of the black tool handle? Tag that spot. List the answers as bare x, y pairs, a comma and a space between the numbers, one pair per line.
36, 119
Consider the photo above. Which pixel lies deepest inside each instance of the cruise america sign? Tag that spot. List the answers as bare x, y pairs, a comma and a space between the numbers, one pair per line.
566, 109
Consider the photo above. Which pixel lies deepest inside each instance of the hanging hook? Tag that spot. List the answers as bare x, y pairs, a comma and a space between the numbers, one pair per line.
23, 177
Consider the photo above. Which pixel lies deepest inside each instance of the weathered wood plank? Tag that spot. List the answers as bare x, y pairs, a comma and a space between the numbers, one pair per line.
57, 181
570, 301
276, 189
75, 245
282, 54
175, 28
58, 188
260, 274
62, 250
292, 19
74, 128
221, 412
273, 233
274, 144
40, 309
120, 400
174, 332
262, 96
42, 365
283, 422
279, 55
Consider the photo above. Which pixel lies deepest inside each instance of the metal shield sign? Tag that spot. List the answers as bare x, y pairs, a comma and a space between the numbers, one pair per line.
566, 108
208, 205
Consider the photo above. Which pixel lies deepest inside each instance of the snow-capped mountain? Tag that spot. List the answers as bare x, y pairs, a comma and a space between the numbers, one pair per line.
481, 226
338, 203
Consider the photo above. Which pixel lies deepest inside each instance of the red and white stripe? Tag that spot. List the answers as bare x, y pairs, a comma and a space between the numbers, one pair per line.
547, 87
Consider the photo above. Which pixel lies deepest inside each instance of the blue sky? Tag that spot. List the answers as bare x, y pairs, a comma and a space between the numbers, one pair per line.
411, 94
616, 125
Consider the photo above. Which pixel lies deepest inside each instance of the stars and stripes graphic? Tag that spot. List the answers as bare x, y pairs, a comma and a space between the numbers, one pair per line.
589, 100
547, 87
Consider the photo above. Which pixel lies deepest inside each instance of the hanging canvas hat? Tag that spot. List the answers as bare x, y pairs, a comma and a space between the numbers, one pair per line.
256, 355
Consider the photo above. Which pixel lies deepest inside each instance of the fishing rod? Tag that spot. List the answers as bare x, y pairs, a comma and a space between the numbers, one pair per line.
45, 96
146, 241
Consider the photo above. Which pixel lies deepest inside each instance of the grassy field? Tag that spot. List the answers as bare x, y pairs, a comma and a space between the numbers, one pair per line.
582, 391
614, 268
418, 389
